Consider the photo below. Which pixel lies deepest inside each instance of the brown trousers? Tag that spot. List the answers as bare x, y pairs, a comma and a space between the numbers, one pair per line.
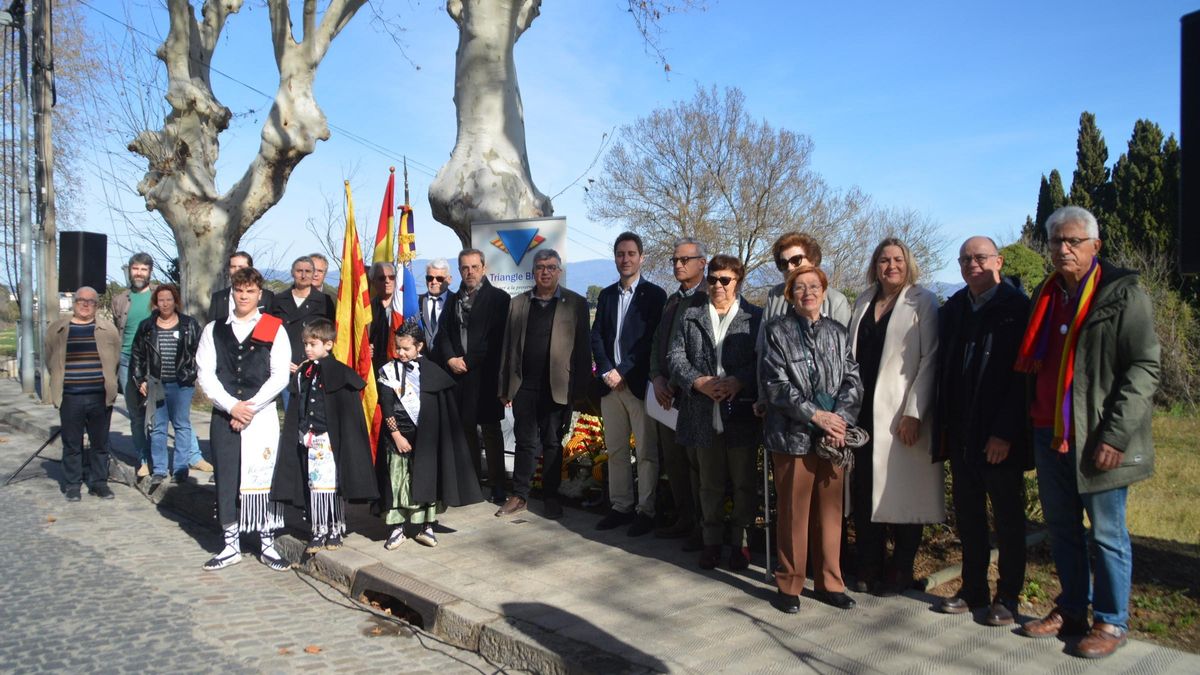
809, 498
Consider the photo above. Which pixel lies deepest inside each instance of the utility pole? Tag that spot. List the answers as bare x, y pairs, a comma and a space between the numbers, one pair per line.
43, 103
16, 18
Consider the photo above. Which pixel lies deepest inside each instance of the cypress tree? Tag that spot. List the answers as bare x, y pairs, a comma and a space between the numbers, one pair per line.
1050, 198
1139, 181
1088, 184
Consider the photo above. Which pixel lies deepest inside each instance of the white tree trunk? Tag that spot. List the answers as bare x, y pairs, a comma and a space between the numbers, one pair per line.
487, 177
180, 181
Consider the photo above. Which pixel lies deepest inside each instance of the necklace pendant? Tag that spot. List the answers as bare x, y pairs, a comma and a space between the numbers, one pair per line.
1063, 329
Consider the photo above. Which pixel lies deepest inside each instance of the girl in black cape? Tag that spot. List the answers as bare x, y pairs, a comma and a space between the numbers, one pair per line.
422, 464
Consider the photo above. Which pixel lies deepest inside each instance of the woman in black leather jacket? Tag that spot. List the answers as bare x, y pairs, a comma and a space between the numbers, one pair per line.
163, 364
813, 395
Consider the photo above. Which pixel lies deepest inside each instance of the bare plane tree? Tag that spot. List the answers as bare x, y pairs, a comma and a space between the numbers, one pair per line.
704, 168
181, 157
488, 175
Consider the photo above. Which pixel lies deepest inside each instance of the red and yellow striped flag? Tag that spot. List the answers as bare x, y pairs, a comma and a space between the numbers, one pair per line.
353, 343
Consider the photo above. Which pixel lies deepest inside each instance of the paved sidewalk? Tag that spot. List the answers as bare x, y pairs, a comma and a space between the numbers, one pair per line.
558, 596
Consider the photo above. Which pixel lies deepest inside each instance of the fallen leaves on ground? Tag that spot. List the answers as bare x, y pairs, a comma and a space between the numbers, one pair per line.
51, 519
312, 649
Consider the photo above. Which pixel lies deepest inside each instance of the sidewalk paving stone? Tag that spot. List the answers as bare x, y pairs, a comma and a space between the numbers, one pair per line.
559, 596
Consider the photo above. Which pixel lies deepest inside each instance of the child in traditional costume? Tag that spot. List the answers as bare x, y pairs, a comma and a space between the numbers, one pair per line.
242, 364
423, 462
325, 451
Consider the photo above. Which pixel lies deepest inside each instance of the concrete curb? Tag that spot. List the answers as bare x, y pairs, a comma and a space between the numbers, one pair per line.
500, 639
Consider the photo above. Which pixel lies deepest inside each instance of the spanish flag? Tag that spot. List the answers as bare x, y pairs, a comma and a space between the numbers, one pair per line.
353, 343
385, 232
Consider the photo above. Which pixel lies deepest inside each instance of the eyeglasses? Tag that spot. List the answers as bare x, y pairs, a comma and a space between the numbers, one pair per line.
685, 259
800, 289
795, 261
979, 259
545, 268
714, 280
85, 301
1071, 242
429, 278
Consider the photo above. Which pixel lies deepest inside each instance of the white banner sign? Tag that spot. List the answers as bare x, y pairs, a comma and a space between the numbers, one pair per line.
509, 246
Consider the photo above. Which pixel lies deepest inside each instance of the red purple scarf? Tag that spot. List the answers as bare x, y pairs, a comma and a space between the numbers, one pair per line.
1036, 342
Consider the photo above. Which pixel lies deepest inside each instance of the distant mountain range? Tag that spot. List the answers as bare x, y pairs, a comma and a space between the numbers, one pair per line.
579, 275
584, 273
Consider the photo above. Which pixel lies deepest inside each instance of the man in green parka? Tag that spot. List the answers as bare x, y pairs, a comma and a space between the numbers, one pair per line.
1093, 357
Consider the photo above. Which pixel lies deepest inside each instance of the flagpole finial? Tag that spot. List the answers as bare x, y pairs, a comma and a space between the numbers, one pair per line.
346, 182
392, 169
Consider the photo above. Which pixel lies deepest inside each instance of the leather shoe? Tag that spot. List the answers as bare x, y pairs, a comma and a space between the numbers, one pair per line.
514, 505
839, 600
552, 509
642, 524
710, 557
72, 494
954, 605
788, 604
680, 529
1001, 613
1101, 641
1054, 624
102, 491
614, 519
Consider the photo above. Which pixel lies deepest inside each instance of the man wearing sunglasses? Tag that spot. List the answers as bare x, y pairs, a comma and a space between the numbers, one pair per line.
382, 278
688, 265
437, 298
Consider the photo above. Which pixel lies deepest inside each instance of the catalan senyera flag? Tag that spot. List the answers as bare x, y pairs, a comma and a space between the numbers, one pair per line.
385, 232
353, 319
404, 299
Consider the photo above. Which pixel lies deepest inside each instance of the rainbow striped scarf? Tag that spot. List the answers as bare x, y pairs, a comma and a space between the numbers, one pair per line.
1037, 339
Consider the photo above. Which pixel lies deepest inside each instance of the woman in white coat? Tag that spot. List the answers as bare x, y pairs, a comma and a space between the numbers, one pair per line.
894, 334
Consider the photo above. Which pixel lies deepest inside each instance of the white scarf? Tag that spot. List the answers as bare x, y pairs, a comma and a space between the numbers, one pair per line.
720, 326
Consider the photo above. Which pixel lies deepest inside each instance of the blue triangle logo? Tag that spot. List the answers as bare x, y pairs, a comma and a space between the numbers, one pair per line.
517, 242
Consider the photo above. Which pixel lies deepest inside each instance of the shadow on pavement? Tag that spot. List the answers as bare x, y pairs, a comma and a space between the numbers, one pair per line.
555, 618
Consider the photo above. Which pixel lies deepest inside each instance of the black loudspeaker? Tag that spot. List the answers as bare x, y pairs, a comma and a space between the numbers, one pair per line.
1189, 130
82, 261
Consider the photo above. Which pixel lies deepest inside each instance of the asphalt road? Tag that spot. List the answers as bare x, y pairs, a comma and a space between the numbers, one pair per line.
116, 586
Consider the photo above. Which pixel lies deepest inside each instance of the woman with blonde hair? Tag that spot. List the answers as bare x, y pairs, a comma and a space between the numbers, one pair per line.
895, 485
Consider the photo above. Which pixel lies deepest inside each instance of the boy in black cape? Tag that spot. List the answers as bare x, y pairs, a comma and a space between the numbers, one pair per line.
324, 450
420, 470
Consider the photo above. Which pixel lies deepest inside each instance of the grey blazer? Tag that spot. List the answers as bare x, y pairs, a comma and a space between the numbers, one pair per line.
570, 354
691, 355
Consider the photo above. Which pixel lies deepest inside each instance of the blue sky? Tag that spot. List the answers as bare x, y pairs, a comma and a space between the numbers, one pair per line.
952, 108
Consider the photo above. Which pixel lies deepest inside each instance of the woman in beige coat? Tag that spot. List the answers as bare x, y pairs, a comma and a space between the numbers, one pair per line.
894, 334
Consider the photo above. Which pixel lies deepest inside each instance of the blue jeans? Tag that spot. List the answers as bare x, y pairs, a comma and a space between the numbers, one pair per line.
1109, 537
137, 416
135, 404
176, 408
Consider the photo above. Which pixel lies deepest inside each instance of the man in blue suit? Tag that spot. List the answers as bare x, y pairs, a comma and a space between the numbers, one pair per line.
627, 315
